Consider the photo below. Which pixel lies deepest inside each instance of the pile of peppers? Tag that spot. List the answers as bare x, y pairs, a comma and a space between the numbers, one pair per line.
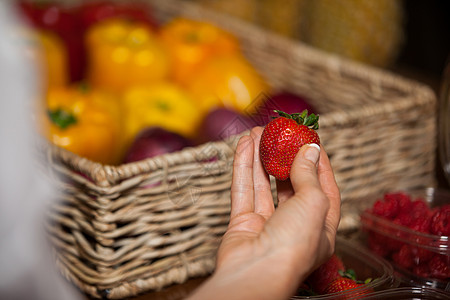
111, 70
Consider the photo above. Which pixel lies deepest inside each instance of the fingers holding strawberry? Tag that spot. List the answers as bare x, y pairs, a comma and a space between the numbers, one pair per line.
306, 160
281, 141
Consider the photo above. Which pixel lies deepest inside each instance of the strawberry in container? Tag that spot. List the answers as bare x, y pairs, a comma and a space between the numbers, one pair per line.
352, 272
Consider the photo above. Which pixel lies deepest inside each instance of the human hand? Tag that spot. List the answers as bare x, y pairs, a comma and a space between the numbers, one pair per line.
266, 253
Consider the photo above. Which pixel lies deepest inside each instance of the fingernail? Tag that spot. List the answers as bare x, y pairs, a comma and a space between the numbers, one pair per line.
312, 153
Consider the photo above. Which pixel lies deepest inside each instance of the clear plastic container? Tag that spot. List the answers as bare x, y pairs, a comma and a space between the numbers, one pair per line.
365, 265
387, 239
409, 293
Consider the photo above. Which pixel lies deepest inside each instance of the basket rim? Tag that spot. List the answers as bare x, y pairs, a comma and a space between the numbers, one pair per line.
108, 175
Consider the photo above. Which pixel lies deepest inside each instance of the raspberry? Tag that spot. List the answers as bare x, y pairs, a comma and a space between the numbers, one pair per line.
422, 270
392, 204
421, 224
404, 219
402, 199
377, 246
421, 255
376, 237
404, 257
419, 208
440, 221
392, 243
440, 267
387, 210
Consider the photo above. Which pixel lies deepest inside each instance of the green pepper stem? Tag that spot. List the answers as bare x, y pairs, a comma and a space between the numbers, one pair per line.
62, 118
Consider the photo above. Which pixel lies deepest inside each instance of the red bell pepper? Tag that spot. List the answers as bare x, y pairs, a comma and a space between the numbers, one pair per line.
71, 22
92, 12
64, 22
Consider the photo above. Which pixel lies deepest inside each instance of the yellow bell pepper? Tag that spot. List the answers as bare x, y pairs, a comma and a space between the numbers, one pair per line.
86, 122
47, 51
191, 43
165, 105
228, 81
122, 54
56, 60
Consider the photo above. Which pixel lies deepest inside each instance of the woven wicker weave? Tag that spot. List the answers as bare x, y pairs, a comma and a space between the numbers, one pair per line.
123, 230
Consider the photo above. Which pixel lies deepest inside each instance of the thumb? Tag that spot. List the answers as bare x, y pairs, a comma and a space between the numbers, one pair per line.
300, 219
306, 185
304, 169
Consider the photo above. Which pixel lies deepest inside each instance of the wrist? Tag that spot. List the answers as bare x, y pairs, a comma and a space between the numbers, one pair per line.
273, 277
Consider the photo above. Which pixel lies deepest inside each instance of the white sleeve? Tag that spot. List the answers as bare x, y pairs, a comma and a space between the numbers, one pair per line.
27, 269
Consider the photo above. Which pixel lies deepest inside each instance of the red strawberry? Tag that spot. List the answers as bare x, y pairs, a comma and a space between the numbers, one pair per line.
283, 137
325, 274
342, 284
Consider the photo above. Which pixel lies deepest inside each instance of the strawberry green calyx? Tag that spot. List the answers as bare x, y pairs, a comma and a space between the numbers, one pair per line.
311, 121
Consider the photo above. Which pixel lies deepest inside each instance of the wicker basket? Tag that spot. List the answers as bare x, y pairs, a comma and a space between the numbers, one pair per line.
123, 230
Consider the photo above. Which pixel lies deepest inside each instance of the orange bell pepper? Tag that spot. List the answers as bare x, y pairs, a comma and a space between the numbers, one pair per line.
228, 81
191, 43
123, 54
86, 122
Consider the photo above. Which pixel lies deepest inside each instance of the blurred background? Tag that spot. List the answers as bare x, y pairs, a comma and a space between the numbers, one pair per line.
410, 37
